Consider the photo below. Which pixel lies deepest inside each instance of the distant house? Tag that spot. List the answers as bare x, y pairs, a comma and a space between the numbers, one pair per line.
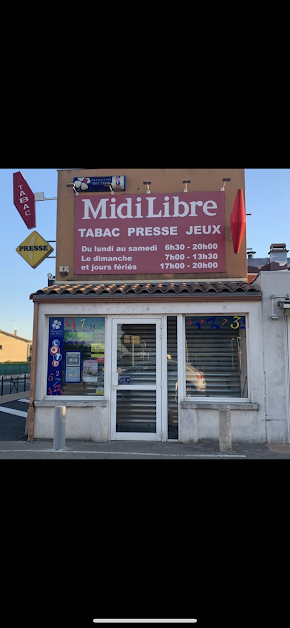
13, 348
278, 260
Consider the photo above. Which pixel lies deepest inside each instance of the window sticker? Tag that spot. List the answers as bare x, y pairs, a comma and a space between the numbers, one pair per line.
73, 367
55, 356
90, 373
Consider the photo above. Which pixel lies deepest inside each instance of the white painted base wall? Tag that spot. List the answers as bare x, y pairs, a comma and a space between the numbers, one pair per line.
195, 425
92, 424
82, 423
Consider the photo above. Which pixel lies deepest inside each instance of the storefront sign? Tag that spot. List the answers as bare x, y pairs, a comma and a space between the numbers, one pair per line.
24, 200
150, 234
99, 184
34, 249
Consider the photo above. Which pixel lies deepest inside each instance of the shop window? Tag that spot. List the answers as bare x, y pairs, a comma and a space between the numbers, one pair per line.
76, 356
216, 356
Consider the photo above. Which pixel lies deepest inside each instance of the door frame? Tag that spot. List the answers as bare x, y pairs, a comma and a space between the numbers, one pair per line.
161, 377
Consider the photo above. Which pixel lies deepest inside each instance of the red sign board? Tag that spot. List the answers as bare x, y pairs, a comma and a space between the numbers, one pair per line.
24, 200
150, 234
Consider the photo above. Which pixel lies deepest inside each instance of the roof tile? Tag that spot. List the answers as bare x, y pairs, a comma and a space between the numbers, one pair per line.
149, 288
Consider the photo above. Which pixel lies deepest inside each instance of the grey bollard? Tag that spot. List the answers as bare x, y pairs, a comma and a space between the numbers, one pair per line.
59, 427
225, 430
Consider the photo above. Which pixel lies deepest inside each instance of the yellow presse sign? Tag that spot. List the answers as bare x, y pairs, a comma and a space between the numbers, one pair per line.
34, 249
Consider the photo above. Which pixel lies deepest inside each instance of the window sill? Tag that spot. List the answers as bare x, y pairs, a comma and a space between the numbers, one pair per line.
221, 405
71, 403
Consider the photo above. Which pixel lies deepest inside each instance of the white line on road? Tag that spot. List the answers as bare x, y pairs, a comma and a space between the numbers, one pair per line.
23, 400
15, 412
121, 453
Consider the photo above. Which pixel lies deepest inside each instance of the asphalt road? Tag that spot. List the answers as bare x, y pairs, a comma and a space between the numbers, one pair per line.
13, 419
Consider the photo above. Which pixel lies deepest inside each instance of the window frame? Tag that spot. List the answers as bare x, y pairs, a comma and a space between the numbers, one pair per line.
201, 398
68, 398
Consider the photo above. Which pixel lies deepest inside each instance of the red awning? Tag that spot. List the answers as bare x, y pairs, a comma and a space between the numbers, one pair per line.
238, 221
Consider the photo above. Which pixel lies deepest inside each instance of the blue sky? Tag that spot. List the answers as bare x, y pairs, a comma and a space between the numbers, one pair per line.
267, 199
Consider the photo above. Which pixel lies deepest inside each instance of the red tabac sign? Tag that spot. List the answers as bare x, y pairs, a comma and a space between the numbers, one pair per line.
150, 234
24, 200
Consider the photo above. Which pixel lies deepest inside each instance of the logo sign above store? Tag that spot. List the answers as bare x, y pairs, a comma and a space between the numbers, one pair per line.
24, 200
99, 184
156, 234
34, 249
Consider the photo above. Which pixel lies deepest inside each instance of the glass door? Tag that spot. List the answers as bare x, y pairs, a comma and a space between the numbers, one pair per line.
136, 379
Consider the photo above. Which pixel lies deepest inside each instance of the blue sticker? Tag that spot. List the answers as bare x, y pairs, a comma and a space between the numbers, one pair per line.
124, 381
73, 365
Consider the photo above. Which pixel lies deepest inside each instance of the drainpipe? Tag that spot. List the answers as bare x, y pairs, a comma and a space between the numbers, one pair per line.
33, 375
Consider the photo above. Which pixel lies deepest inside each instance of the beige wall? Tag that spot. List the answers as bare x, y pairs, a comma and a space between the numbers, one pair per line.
163, 181
13, 350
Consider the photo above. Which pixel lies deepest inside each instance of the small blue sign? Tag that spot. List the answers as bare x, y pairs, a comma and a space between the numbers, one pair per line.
73, 362
72, 375
124, 381
99, 184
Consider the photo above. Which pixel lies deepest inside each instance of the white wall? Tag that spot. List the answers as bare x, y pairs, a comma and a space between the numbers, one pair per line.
275, 355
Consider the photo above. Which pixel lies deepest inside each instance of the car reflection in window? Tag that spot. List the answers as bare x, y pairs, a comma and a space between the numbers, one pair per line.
147, 370
194, 378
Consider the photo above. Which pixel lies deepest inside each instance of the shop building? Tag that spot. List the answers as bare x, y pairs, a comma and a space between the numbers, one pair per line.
151, 330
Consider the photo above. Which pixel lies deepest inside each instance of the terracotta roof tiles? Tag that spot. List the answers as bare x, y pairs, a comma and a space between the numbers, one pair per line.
98, 289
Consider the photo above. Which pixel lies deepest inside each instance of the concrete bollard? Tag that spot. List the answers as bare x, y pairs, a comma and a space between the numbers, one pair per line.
59, 427
225, 430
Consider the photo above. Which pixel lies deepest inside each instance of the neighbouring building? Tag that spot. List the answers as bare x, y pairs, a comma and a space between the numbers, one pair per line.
13, 348
151, 329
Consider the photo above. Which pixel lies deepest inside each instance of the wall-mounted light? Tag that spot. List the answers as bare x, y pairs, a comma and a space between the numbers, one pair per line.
225, 181
148, 183
109, 185
72, 185
186, 182
274, 315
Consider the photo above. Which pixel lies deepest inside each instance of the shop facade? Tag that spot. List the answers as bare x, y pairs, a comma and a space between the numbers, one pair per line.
148, 355
166, 364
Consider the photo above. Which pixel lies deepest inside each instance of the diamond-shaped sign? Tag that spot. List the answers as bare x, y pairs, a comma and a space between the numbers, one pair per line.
34, 249
24, 200
238, 221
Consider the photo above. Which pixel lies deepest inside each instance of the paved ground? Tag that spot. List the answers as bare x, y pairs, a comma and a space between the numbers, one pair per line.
138, 451
14, 445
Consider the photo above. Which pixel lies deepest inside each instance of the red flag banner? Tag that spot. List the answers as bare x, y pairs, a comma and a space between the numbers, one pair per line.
24, 200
